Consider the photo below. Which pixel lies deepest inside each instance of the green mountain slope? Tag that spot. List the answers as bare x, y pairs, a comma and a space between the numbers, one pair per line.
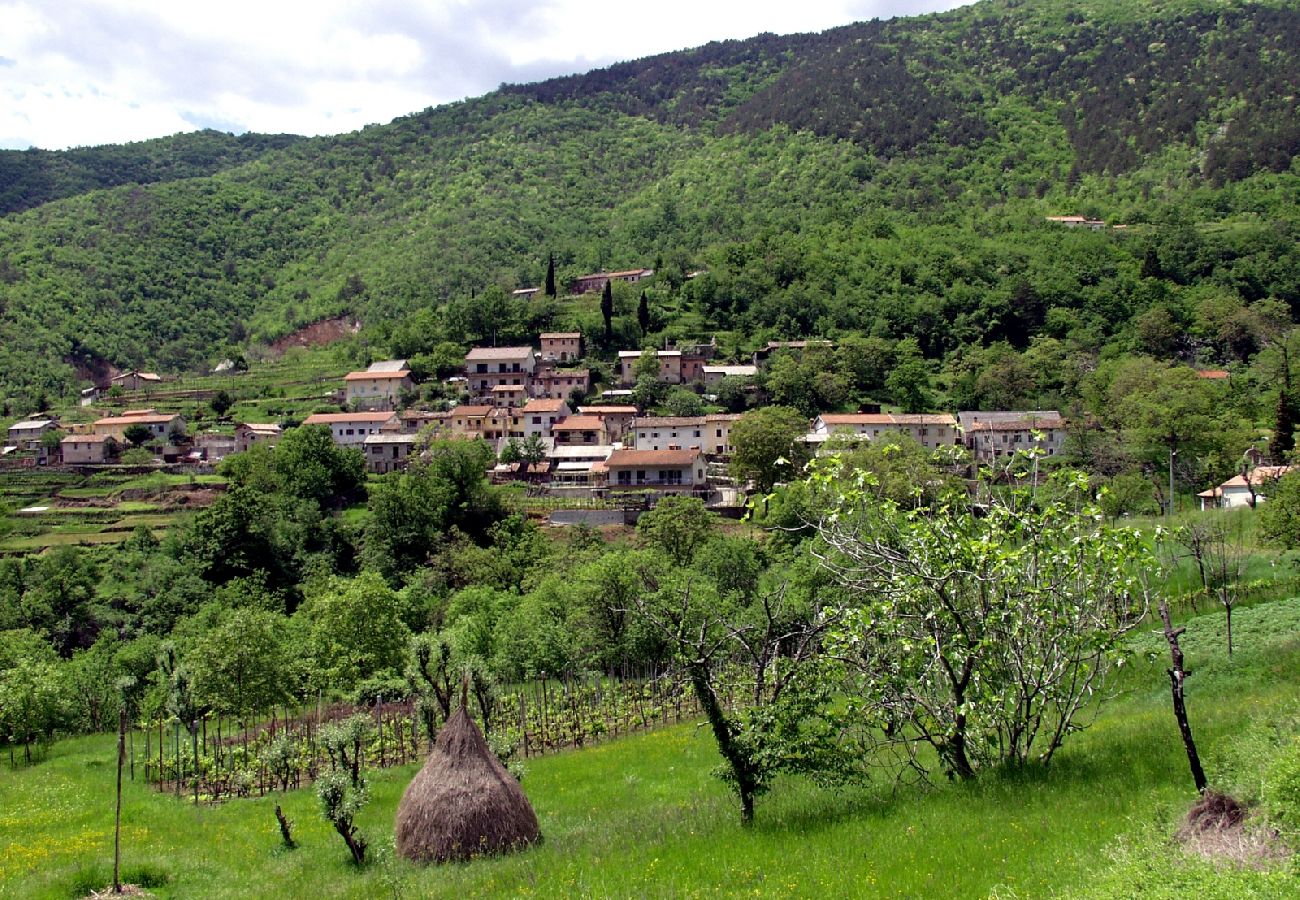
884, 177
29, 178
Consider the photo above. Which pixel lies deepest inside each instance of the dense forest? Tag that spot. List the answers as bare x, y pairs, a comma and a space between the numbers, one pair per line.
889, 179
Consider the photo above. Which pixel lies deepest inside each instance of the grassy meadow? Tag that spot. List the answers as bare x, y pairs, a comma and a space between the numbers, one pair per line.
644, 816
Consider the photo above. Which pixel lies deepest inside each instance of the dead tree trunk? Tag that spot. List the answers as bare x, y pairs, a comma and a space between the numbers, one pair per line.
1176, 676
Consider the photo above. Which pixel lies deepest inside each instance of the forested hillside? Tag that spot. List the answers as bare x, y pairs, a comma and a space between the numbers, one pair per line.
889, 178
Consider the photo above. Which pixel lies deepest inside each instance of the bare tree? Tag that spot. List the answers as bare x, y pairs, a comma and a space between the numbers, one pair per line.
1177, 674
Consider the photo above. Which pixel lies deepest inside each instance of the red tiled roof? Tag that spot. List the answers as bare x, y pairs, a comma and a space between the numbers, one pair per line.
543, 405
579, 423
1214, 374
331, 418
364, 376
622, 459
136, 420
557, 335
474, 411
608, 410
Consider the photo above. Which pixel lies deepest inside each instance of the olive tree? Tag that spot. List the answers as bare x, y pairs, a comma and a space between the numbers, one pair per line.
982, 627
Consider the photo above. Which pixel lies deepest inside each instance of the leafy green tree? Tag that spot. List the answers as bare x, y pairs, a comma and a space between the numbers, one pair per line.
900, 469
533, 451
221, 402
137, 435
1279, 518
312, 467
767, 446
981, 634
908, 382
355, 631
677, 526
34, 703
60, 599
683, 402
412, 512
242, 666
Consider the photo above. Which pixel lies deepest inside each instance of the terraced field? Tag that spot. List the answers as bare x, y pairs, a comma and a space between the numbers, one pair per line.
44, 509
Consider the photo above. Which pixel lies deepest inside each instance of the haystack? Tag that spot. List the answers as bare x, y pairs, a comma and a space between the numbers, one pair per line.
463, 803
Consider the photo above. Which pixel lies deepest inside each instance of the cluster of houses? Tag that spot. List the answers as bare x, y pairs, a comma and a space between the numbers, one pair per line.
533, 401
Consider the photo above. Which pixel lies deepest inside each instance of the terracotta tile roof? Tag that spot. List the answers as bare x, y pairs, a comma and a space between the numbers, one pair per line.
1213, 374
608, 410
543, 405
377, 375
331, 418
86, 438
624, 459
473, 411
558, 335
161, 419
579, 423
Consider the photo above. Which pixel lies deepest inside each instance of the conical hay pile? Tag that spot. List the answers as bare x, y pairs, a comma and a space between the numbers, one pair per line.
463, 803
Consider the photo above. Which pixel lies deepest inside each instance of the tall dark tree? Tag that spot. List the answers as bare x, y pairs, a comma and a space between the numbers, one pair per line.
607, 311
643, 313
1284, 426
550, 275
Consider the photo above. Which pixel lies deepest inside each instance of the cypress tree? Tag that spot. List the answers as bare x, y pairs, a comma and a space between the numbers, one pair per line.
550, 276
1284, 425
607, 310
643, 313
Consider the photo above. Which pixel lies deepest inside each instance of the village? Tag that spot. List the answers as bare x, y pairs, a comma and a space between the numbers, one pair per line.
553, 426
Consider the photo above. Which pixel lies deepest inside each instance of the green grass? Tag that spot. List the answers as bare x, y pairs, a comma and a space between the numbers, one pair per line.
644, 816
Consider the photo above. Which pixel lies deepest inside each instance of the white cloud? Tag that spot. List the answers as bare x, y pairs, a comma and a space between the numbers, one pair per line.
85, 72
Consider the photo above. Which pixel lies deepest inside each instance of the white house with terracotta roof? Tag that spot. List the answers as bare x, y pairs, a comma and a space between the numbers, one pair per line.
931, 430
1235, 492
676, 471
159, 424
351, 429
379, 386
540, 415
992, 434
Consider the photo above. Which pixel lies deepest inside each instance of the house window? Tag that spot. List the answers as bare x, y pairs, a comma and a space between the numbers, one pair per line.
719, 432
349, 431
537, 420
640, 476
671, 476
624, 477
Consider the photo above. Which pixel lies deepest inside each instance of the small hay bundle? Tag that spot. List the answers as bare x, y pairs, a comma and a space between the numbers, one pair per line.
463, 803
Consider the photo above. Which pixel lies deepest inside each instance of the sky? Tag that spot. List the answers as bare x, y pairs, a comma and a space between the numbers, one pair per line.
86, 72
